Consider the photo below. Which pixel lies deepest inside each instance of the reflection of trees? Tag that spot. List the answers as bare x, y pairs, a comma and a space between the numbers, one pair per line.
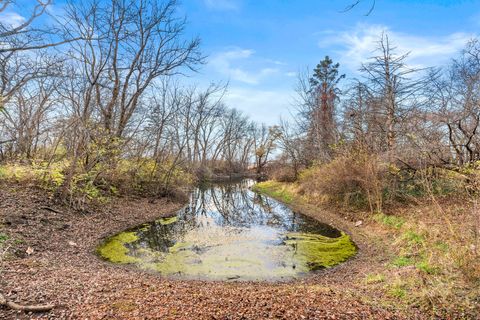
229, 204
157, 237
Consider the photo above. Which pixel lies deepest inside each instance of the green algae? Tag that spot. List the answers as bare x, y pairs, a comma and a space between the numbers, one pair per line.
316, 251
215, 264
301, 253
166, 221
114, 248
208, 249
180, 246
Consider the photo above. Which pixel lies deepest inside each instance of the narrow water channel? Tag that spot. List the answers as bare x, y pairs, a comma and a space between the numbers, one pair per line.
228, 232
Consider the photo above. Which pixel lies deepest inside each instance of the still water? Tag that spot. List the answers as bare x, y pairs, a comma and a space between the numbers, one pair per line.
228, 232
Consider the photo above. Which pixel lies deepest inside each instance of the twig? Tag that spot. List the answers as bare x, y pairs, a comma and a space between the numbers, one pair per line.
28, 308
51, 209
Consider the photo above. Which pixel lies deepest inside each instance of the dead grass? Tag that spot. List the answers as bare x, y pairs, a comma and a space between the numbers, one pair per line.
431, 253
353, 180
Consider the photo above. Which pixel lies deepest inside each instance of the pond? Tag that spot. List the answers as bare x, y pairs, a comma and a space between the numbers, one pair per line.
228, 232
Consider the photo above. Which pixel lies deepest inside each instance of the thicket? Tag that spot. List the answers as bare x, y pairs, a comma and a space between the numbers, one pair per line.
93, 104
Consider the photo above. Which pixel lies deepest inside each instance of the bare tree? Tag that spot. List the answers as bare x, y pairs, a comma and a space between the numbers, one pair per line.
394, 87
27, 35
126, 46
455, 103
292, 146
265, 139
357, 3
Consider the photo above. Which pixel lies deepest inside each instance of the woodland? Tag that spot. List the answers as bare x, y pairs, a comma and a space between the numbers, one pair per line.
100, 132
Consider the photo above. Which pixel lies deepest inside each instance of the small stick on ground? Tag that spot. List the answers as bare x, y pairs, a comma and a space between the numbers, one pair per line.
28, 308
51, 209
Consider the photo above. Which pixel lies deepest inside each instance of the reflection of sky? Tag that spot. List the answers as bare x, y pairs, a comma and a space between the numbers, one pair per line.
228, 210
238, 208
231, 230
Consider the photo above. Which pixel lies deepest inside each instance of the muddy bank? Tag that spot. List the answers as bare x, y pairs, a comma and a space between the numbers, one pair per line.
65, 270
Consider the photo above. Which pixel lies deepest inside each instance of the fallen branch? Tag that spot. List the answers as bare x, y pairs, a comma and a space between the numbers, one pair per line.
28, 308
51, 209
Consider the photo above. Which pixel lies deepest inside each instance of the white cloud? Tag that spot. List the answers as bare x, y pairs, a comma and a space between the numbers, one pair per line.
222, 4
232, 64
357, 45
265, 106
12, 19
276, 62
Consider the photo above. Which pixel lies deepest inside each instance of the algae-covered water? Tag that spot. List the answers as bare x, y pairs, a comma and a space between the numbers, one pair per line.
229, 232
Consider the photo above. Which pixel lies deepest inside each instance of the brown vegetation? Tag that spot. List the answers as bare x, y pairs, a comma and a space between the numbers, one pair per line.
403, 165
396, 151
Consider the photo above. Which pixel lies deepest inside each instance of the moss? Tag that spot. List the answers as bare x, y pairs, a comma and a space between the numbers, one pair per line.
300, 254
114, 248
214, 264
317, 251
169, 220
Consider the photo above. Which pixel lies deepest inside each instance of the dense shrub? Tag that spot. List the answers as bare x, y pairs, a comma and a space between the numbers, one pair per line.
356, 179
122, 177
364, 180
281, 173
47, 175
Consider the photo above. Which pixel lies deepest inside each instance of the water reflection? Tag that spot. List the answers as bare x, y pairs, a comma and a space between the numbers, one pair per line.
229, 232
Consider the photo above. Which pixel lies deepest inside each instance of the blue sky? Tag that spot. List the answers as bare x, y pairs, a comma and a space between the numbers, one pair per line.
260, 46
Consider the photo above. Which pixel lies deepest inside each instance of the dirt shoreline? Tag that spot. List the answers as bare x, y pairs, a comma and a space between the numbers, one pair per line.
65, 270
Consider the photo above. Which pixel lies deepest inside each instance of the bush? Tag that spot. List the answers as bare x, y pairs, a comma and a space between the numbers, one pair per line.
356, 179
48, 175
360, 179
141, 176
281, 173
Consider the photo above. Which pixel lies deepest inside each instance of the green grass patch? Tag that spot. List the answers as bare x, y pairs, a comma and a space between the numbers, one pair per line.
397, 290
442, 246
275, 190
374, 278
413, 238
389, 220
426, 267
3, 238
402, 261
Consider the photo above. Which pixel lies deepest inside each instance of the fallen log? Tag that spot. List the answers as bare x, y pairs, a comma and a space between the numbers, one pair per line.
28, 308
